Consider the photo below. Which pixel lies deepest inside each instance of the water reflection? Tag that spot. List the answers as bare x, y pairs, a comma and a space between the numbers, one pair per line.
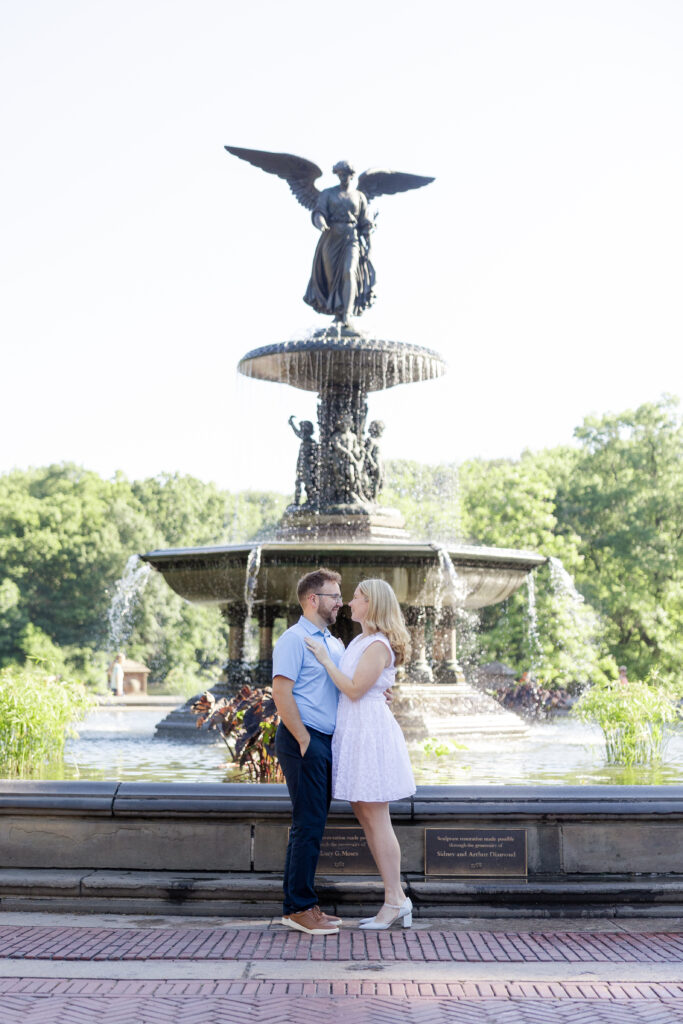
561, 752
120, 744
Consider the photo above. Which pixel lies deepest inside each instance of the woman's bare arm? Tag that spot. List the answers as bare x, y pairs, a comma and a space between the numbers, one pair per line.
370, 667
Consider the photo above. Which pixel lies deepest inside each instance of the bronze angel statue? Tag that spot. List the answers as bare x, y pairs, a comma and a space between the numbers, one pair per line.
343, 278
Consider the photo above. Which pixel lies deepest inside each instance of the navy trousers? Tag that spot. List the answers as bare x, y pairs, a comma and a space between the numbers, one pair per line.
309, 782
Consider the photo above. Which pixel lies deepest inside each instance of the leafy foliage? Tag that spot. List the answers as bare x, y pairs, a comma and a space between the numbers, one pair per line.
441, 747
427, 496
632, 717
247, 723
625, 501
36, 712
610, 509
65, 537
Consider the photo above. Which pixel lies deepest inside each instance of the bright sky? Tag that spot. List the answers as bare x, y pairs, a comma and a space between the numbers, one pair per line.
140, 260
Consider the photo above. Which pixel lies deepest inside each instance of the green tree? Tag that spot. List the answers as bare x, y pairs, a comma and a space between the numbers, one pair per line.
625, 501
426, 496
513, 504
64, 537
170, 635
183, 511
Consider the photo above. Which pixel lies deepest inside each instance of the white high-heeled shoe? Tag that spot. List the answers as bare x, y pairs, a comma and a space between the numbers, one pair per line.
404, 915
404, 908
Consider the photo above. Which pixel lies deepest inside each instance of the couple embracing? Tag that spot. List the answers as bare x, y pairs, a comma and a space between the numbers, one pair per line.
337, 737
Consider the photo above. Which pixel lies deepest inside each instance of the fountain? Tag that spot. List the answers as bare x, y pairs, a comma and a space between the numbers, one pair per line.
337, 518
127, 591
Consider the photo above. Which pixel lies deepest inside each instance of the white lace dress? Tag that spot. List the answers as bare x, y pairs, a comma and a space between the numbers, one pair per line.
369, 755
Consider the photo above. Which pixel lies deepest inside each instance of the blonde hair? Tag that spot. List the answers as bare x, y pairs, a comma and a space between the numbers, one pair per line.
385, 616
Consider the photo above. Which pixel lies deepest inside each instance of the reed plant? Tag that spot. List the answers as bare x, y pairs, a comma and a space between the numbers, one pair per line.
633, 719
37, 713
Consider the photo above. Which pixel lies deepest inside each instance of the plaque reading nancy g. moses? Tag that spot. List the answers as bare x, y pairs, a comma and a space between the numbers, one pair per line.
475, 852
344, 851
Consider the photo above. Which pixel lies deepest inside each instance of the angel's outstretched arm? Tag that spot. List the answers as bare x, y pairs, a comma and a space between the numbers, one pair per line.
297, 430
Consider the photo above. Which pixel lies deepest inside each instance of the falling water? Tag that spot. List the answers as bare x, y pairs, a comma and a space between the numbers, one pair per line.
563, 583
127, 592
584, 619
250, 580
253, 566
532, 617
452, 590
451, 586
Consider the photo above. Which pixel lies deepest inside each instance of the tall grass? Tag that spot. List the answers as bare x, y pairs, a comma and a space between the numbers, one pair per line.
36, 715
632, 718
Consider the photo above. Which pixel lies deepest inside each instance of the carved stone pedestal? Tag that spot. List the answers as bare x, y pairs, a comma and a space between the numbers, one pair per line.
338, 522
444, 648
417, 669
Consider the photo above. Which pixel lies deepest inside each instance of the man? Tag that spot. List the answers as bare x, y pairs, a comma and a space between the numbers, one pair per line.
306, 700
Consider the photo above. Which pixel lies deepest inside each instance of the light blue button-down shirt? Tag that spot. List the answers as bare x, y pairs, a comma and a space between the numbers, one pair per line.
314, 692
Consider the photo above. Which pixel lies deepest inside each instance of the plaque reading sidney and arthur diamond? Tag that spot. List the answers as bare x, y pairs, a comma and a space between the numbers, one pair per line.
475, 852
344, 851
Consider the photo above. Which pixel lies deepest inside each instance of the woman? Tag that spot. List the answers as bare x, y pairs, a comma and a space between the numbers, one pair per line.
342, 278
370, 763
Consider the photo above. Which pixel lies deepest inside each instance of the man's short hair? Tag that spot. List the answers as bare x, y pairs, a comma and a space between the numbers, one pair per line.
313, 581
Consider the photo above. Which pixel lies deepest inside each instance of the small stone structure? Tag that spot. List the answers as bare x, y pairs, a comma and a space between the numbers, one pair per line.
134, 676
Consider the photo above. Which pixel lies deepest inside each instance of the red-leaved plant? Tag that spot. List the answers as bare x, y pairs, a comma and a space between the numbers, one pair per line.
247, 723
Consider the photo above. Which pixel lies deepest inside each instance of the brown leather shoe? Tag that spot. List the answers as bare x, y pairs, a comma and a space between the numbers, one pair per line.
330, 919
311, 922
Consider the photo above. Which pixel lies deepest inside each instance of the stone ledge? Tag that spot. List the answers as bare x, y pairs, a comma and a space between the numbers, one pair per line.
73, 797
249, 801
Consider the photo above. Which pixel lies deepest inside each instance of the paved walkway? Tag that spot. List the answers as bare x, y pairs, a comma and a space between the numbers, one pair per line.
65, 969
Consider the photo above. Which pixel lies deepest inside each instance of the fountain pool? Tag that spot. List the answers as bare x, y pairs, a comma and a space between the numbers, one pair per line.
119, 744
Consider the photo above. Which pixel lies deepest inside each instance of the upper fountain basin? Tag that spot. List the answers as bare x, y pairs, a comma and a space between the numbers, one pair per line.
338, 355
216, 575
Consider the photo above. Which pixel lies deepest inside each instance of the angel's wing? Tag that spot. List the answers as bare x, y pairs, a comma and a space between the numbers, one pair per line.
299, 174
386, 183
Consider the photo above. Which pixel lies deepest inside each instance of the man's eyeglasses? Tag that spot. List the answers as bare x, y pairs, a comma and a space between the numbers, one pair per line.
337, 598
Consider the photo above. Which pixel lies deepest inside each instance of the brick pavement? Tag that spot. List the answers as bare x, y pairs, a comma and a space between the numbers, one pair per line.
444, 999
442, 946
271, 1003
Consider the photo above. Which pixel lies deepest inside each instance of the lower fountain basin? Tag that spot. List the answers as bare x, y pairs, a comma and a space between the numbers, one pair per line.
217, 575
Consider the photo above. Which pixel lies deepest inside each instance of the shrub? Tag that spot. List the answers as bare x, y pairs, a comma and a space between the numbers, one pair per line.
247, 724
632, 717
37, 711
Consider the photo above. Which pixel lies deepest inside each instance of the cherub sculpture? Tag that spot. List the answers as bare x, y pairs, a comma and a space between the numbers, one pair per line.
373, 465
307, 468
342, 278
345, 462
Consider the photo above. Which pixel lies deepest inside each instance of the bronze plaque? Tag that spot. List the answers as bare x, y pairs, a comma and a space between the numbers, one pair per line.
344, 851
476, 852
